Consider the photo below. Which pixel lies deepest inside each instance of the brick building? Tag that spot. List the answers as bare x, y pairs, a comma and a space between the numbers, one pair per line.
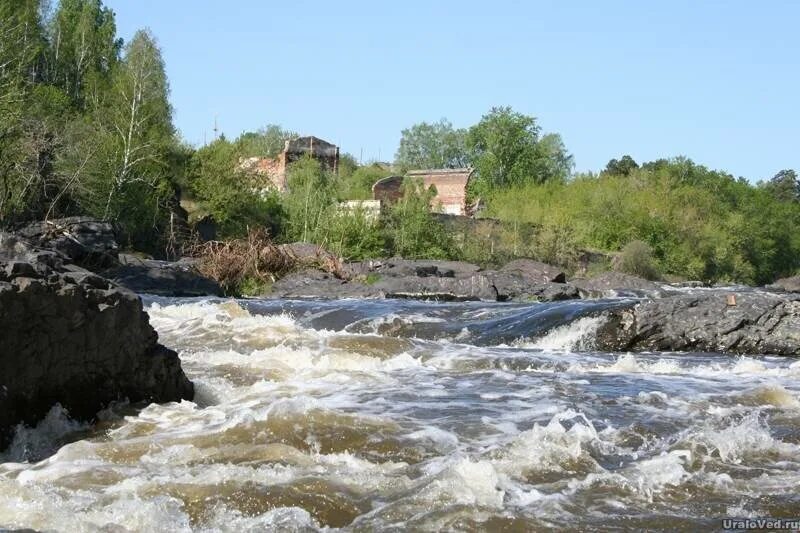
450, 184
274, 169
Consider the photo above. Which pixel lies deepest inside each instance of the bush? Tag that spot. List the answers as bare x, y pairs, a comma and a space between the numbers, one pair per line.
250, 265
411, 230
699, 224
636, 259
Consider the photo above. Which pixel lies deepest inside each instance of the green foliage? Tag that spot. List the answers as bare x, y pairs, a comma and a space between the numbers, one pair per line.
621, 167
700, 224
269, 141
253, 286
411, 230
84, 49
784, 186
353, 235
309, 202
314, 215
229, 195
637, 259
506, 150
357, 185
436, 145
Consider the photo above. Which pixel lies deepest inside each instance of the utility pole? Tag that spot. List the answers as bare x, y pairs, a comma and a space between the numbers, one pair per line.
216, 129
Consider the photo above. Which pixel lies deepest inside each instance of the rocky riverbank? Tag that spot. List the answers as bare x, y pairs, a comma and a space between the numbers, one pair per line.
72, 334
72, 337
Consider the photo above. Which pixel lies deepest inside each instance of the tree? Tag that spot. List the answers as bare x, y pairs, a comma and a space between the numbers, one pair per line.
506, 150
310, 201
129, 136
435, 145
269, 141
228, 194
410, 228
84, 49
22, 45
784, 186
621, 167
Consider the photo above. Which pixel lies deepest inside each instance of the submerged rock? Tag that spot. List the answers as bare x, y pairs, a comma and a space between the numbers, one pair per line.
71, 337
741, 323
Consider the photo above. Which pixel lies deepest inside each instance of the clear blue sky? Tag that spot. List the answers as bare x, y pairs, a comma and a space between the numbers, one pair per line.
716, 81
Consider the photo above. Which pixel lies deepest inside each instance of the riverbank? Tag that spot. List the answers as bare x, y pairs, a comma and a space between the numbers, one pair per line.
70, 331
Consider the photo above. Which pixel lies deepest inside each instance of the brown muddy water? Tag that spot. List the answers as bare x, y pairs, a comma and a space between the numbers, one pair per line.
396, 416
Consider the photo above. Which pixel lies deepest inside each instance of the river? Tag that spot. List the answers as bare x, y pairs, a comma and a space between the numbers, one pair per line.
391, 415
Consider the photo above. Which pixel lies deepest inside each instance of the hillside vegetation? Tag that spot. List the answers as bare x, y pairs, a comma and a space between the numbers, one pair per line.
86, 128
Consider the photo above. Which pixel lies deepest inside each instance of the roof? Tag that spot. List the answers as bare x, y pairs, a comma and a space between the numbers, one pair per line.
440, 172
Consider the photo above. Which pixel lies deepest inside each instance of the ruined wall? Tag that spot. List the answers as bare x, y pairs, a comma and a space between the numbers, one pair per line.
450, 184
388, 190
451, 188
273, 170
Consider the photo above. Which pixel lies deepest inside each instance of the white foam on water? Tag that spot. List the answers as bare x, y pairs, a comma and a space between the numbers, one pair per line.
652, 475
36, 442
550, 448
575, 336
271, 393
747, 438
465, 481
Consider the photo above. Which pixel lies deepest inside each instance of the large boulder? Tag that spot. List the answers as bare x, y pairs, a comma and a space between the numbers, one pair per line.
315, 283
791, 284
162, 278
84, 241
611, 284
71, 337
535, 271
742, 323
429, 280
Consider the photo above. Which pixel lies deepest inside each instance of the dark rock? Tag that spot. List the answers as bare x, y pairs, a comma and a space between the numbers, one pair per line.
396, 267
534, 271
314, 283
419, 279
610, 284
510, 286
758, 323
86, 242
73, 338
162, 278
791, 284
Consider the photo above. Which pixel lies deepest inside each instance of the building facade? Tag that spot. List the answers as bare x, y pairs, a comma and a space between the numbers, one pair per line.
450, 185
274, 170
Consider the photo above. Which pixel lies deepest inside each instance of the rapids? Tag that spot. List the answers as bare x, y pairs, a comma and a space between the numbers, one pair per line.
384, 415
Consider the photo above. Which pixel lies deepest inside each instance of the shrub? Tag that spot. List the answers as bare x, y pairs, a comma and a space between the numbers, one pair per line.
242, 266
636, 259
411, 230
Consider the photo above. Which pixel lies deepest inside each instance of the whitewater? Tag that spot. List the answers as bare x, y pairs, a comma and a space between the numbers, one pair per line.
390, 415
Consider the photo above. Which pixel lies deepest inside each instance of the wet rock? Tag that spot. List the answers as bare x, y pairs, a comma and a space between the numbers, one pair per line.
163, 278
611, 284
756, 323
69, 336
